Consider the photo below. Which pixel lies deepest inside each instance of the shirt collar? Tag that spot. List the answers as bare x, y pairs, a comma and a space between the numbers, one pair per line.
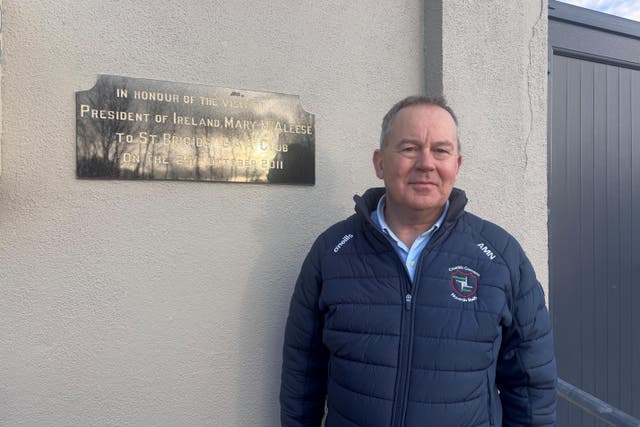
379, 212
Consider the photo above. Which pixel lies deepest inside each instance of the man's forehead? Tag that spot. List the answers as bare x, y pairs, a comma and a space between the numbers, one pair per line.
425, 111
423, 119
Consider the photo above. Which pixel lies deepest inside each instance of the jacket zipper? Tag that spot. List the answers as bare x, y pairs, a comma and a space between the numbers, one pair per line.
405, 351
407, 302
410, 313
398, 412
406, 337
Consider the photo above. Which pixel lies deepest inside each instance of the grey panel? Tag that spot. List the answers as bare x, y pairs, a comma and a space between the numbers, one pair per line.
635, 238
594, 222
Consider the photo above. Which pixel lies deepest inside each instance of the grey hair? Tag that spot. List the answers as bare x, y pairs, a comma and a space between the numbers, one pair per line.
410, 101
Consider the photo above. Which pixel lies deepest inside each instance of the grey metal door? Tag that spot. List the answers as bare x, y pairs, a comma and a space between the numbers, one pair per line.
594, 201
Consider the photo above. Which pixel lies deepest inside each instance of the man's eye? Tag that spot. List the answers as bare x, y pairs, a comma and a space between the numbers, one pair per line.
441, 153
409, 149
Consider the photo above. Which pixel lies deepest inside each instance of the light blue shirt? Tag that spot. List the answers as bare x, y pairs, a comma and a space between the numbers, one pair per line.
409, 256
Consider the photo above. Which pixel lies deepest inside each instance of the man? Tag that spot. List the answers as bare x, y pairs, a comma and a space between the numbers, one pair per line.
413, 312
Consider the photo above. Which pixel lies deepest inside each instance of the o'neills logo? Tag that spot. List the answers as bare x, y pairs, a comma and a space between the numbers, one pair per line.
464, 282
344, 240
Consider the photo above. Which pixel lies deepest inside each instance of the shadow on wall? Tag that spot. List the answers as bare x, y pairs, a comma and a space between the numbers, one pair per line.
276, 264
301, 155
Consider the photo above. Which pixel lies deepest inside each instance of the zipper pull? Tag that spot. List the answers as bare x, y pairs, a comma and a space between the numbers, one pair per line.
407, 301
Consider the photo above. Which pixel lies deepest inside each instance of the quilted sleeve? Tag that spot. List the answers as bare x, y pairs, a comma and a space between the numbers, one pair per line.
526, 372
304, 369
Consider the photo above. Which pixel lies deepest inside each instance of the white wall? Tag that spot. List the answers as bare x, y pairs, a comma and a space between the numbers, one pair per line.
1, 47
494, 67
163, 303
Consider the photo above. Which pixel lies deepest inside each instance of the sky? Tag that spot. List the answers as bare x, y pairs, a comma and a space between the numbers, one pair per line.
629, 9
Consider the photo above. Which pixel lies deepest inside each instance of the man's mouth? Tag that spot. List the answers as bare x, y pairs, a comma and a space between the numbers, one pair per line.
423, 184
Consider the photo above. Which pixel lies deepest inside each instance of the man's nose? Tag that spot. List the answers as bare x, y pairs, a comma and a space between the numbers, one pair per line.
425, 160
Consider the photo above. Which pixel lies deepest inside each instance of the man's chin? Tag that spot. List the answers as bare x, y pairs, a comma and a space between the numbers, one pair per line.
428, 205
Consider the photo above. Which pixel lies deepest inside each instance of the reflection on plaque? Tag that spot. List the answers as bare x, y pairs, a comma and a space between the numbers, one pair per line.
130, 128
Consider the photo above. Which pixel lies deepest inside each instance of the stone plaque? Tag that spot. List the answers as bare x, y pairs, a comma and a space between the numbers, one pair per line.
129, 128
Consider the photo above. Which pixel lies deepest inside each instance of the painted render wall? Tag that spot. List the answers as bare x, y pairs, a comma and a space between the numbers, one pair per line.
494, 73
1, 16
163, 303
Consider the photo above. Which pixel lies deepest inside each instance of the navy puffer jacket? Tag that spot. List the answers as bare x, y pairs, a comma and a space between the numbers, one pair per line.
468, 343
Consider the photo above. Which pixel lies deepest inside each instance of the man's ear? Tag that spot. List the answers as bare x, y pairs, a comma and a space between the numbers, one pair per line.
459, 164
377, 163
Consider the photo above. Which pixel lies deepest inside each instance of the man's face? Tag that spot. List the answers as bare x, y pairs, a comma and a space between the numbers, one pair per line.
420, 160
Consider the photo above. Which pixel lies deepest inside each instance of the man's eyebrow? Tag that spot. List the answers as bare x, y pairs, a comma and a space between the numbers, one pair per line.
445, 142
403, 142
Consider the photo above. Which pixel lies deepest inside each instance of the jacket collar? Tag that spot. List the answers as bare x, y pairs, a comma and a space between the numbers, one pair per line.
366, 203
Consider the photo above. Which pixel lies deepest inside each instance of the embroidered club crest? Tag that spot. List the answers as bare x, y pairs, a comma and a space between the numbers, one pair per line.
464, 283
